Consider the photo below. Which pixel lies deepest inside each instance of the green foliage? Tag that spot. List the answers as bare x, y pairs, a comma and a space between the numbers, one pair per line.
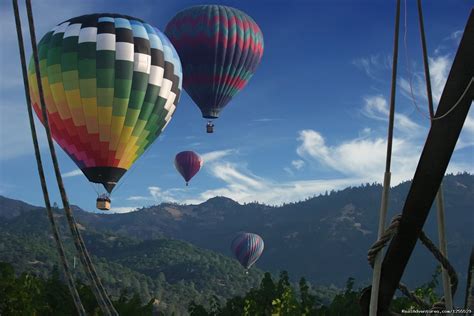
29, 295
281, 299
172, 271
271, 298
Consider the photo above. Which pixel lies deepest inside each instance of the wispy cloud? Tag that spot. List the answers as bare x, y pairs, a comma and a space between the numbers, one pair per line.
298, 164
439, 70
236, 181
415, 90
356, 161
376, 107
159, 195
73, 173
374, 66
266, 120
360, 158
122, 209
140, 198
364, 159
456, 36
216, 155
243, 186
168, 195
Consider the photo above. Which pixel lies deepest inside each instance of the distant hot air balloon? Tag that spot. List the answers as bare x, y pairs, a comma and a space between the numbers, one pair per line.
220, 48
111, 84
188, 163
247, 248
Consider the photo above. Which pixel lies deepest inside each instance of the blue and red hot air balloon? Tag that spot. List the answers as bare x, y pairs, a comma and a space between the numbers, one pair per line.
188, 163
220, 48
247, 248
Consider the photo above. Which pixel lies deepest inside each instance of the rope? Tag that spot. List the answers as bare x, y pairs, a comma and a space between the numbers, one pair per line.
442, 259
97, 287
388, 235
430, 117
408, 67
56, 234
457, 102
404, 289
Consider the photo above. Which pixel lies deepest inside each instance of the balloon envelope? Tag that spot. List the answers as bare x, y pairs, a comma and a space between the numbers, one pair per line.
247, 248
188, 163
111, 84
220, 48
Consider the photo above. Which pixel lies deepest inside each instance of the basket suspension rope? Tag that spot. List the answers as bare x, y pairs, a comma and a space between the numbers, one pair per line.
386, 182
388, 234
56, 234
97, 287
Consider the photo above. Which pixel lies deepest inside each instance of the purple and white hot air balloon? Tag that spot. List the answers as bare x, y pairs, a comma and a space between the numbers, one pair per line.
188, 163
247, 248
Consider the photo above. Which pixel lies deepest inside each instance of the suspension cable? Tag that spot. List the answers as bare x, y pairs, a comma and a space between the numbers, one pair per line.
432, 117
98, 289
56, 234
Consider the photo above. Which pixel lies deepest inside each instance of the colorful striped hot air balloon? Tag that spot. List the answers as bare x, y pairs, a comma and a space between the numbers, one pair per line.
220, 48
247, 248
111, 84
188, 163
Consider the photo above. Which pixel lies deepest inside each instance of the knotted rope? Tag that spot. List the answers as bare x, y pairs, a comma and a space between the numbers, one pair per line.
388, 234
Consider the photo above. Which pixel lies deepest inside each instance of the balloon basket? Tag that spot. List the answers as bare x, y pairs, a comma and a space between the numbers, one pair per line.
210, 128
103, 203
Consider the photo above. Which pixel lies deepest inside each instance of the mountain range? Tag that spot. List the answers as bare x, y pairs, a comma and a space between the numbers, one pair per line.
324, 238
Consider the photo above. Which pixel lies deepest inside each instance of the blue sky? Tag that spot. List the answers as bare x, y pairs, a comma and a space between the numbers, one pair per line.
313, 117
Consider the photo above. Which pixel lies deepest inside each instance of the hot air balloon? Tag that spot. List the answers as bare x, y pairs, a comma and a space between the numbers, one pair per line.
111, 85
220, 48
247, 248
188, 164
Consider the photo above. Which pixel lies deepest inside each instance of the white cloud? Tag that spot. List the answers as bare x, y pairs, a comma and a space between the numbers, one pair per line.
160, 195
73, 173
456, 36
363, 159
439, 70
357, 161
122, 209
298, 164
374, 66
140, 198
466, 139
416, 89
216, 155
227, 172
243, 186
266, 120
376, 107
